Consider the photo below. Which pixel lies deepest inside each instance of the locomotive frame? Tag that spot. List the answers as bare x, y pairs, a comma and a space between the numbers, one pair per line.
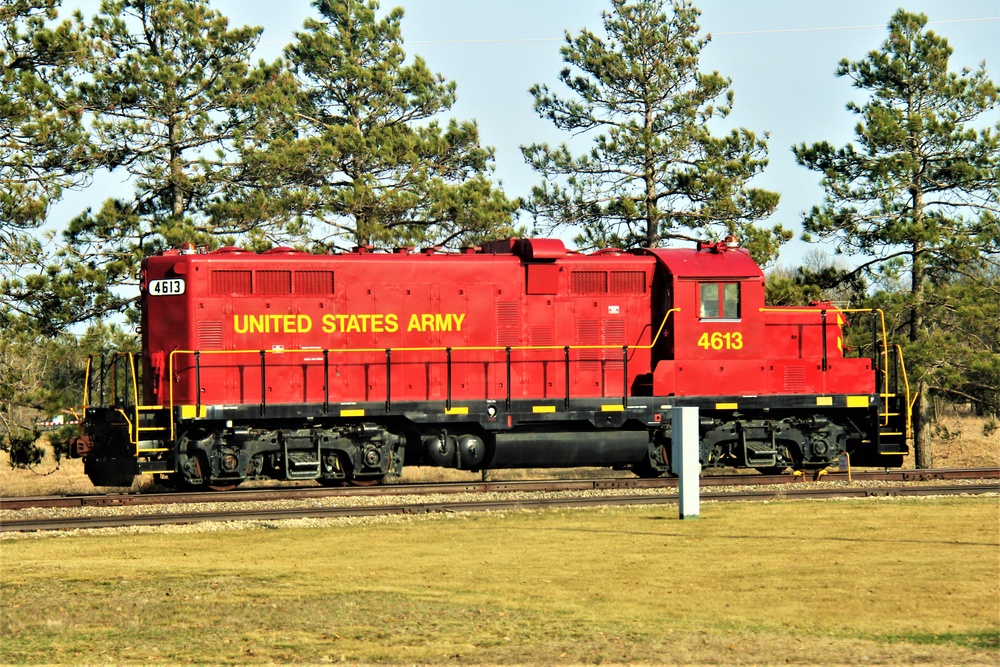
502, 396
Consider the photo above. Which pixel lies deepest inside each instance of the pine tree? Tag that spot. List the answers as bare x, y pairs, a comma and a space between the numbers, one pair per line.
654, 171
168, 90
921, 190
360, 157
44, 147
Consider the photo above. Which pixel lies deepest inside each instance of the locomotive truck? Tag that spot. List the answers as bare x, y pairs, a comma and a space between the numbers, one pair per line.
344, 368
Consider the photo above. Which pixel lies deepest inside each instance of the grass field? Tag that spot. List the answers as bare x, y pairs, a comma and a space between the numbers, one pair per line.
887, 582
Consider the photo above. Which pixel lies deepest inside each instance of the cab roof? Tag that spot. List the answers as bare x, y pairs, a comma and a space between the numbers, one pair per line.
718, 260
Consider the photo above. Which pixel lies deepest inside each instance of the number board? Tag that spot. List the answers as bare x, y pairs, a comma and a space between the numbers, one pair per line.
167, 287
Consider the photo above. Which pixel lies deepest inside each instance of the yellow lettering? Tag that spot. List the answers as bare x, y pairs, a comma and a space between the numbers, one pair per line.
376, 323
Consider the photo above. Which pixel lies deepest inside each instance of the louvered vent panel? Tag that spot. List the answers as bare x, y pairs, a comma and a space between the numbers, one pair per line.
542, 336
274, 282
231, 282
314, 282
588, 332
508, 323
614, 334
628, 282
795, 378
589, 282
209, 335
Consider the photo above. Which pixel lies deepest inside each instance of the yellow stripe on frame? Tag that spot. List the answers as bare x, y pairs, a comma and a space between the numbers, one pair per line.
192, 411
352, 413
613, 407
727, 406
824, 400
857, 401
456, 411
543, 408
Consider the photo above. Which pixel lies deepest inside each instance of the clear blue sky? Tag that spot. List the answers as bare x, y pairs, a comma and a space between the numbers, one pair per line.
780, 55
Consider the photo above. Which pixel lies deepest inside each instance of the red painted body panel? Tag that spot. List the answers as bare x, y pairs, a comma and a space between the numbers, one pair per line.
414, 305
529, 295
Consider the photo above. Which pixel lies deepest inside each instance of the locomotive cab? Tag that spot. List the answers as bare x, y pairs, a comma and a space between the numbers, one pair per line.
716, 331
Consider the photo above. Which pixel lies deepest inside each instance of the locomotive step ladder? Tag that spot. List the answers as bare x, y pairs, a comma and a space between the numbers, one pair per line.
759, 454
302, 464
893, 404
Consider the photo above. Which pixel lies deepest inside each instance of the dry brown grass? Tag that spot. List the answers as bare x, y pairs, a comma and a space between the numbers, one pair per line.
960, 441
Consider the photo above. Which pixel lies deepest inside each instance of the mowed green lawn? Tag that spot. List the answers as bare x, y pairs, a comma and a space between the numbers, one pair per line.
864, 582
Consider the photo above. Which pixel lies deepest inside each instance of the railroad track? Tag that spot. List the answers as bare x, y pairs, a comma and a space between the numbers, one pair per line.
286, 493
185, 516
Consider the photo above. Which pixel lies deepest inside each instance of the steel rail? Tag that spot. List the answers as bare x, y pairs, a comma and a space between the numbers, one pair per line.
512, 504
512, 486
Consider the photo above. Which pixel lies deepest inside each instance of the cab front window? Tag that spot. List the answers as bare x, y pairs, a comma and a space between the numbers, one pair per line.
719, 301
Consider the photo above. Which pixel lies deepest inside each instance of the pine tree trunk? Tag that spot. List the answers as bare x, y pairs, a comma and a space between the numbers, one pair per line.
921, 429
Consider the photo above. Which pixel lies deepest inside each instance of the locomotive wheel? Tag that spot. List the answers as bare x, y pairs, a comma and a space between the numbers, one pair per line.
222, 487
647, 471
365, 481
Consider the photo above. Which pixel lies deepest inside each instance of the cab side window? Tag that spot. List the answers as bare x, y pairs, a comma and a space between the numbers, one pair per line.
719, 301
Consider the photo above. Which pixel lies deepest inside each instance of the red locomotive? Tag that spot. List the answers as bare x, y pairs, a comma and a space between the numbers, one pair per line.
345, 368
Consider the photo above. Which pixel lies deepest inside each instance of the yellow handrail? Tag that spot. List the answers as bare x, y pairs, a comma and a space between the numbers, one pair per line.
132, 419
360, 350
906, 384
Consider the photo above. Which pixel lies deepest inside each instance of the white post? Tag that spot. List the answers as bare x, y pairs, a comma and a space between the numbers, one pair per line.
684, 460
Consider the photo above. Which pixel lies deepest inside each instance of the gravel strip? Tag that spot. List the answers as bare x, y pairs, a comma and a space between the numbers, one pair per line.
372, 501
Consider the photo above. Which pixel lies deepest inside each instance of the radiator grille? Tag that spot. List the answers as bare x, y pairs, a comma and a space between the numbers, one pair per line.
274, 282
231, 282
589, 282
628, 282
314, 282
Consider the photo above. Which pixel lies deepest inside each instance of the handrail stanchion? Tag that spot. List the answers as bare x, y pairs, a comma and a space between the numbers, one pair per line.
263, 384
625, 376
388, 379
103, 395
566, 362
447, 403
507, 349
326, 382
823, 317
197, 382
